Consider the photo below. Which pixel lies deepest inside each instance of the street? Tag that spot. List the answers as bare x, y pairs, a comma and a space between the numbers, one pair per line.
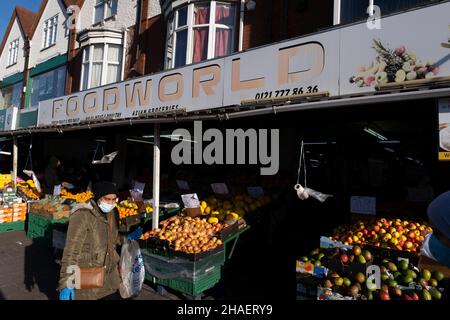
30, 272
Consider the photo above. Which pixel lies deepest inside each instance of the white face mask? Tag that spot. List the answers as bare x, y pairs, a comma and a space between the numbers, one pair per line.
106, 207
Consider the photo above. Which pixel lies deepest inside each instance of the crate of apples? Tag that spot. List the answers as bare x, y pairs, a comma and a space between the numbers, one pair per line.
386, 233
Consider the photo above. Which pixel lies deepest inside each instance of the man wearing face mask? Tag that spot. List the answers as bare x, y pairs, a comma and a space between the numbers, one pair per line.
92, 241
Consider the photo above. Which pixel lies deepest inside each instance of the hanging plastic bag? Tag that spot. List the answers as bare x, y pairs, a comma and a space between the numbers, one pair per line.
31, 174
131, 269
303, 192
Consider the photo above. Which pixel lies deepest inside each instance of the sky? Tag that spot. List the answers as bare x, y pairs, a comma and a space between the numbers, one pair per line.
7, 7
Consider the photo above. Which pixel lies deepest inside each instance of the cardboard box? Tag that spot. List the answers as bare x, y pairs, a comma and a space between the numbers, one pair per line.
193, 212
430, 264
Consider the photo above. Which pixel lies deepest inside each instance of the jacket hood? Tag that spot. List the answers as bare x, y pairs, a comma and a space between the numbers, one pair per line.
91, 206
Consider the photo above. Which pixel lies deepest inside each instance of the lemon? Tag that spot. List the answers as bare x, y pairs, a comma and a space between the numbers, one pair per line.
203, 204
215, 213
235, 215
207, 210
213, 220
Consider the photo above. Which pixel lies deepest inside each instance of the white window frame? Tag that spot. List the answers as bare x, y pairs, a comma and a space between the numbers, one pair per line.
105, 64
212, 27
13, 52
104, 3
50, 32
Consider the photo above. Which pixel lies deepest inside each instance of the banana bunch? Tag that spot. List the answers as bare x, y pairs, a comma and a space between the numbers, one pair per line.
29, 190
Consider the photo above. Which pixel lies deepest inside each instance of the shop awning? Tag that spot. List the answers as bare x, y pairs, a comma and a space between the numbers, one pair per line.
248, 109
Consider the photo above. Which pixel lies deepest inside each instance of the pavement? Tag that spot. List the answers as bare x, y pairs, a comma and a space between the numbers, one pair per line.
29, 271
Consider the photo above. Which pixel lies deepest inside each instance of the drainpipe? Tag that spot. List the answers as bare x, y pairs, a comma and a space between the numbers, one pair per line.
71, 55
26, 72
124, 52
241, 26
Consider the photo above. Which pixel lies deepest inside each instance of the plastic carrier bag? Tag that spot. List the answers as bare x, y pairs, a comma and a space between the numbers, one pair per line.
132, 269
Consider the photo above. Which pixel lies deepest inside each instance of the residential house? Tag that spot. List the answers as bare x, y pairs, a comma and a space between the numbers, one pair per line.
14, 51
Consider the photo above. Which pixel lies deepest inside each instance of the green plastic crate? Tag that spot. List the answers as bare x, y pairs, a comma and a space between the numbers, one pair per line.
190, 286
12, 226
40, 229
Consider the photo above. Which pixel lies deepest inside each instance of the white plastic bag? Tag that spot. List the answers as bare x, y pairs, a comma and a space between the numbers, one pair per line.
31, 174
132, 269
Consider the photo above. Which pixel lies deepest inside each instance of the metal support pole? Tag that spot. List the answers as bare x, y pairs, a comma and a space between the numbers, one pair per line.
156, 173
14, 173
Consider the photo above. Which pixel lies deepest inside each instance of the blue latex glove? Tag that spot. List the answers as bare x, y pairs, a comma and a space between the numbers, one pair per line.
136, 234
67, 294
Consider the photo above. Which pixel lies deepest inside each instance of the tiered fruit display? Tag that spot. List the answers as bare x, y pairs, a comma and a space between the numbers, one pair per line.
28, 188
126, 209
387, 233
79, 197
234, 208
186, 234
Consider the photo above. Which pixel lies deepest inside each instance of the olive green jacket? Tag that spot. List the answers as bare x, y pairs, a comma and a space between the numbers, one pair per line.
86, 246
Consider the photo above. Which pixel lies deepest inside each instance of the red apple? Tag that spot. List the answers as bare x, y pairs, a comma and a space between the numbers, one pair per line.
406, 297
384, 296
376, 228
344, 258
399, 228
412, 226
411, 234
415, 296
409, 245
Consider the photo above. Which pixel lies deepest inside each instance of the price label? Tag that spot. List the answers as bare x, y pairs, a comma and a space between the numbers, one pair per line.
220, 188
57, 190
255, 192
364, 205
183, 185
139, 187
190, 200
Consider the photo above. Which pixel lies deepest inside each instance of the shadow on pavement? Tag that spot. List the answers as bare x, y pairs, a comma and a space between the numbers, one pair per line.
41, 270
2, 297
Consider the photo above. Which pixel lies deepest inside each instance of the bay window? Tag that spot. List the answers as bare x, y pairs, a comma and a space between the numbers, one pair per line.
356, 10
200, 31
104, 9
50, 31
13, 52
102, 65
48, 85
10, 96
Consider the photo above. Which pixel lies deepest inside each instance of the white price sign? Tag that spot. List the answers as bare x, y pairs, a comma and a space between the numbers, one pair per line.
190, 200
364, 205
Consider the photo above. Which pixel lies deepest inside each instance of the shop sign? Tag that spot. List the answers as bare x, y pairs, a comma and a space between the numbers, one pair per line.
444, 129
350, 60
292, 68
